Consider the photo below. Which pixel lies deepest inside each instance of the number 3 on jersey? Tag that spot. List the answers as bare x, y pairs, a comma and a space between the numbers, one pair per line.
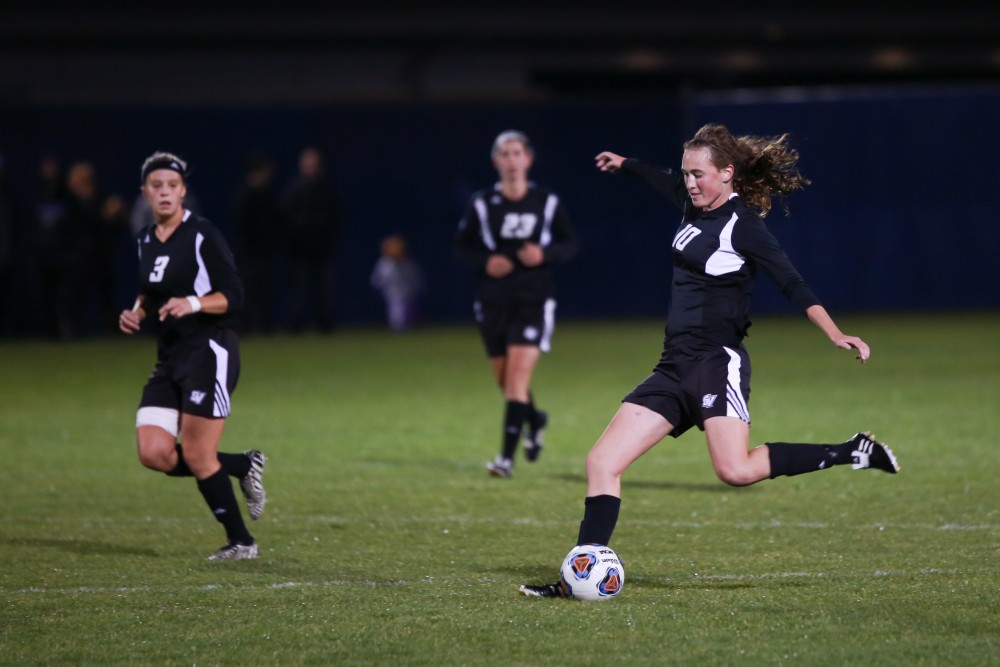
518, 225
159, 266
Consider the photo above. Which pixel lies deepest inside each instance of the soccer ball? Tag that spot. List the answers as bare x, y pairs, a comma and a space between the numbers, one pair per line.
592, 572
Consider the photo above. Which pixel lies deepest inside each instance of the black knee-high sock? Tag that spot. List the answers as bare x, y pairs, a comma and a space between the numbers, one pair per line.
514, 418
600, 515
792, 458
218, 493
235, 465
532, 410
181, 469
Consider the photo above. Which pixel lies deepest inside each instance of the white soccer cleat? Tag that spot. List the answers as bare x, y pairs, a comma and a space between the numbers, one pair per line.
501, 467
253, 485
235, 551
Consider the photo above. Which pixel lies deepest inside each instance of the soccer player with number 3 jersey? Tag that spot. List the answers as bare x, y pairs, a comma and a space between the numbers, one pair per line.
188, 284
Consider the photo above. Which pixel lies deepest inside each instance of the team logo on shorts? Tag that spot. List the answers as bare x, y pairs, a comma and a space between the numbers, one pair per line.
708, 400
197, 397
530, 333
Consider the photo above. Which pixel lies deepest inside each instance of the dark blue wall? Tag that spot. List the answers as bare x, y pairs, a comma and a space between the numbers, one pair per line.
899, 215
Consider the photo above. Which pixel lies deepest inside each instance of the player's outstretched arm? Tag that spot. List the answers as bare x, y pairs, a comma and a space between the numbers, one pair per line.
822, 319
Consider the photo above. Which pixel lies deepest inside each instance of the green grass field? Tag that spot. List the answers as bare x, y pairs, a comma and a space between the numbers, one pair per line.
385, 543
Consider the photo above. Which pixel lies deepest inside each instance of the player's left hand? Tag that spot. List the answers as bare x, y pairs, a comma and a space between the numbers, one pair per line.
853, 342
531, 254
177, 306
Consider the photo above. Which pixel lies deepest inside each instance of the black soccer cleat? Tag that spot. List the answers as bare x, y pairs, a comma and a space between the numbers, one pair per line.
870, 453
543, 591
533, 438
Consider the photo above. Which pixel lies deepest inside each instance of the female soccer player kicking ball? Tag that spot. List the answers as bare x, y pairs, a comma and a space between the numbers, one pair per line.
724, 188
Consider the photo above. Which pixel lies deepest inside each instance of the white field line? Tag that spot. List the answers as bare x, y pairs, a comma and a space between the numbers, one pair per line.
465, 520
369, 583
662, 523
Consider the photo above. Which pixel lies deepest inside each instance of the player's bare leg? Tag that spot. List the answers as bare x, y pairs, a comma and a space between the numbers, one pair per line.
729, 448
517, 368
632, 432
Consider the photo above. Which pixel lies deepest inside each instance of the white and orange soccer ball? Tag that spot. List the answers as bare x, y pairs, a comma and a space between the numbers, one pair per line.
592, 572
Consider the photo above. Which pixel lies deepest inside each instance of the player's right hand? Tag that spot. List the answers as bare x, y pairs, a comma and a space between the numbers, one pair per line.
498, 266
608, 161
129, 321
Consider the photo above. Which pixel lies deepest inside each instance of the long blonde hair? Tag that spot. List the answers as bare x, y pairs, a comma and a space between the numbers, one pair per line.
764, 166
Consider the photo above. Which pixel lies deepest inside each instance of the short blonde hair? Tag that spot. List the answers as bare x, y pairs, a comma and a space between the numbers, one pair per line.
512, 135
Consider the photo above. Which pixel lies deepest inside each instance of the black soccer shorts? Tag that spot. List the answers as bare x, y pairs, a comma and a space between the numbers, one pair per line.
501, 325
198, 377
696, 379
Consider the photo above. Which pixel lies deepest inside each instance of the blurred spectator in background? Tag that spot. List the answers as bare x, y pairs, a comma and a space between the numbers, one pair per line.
257, 219
117, 260
400, 281
92, 260
312, 224
56, 244
141, 216
9, 229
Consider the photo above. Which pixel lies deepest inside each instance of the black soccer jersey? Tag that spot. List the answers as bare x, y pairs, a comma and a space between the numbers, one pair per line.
715, 256
195, 260
494, 224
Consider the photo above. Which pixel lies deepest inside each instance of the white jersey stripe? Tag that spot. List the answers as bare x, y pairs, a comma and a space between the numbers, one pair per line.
202, 283
725, 259
484, 224
551, 204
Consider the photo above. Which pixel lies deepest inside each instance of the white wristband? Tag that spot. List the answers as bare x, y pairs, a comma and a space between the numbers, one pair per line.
195, 303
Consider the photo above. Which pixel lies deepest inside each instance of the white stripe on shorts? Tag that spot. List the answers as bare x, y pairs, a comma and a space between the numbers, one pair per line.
735, 405
550, 324
220, 407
